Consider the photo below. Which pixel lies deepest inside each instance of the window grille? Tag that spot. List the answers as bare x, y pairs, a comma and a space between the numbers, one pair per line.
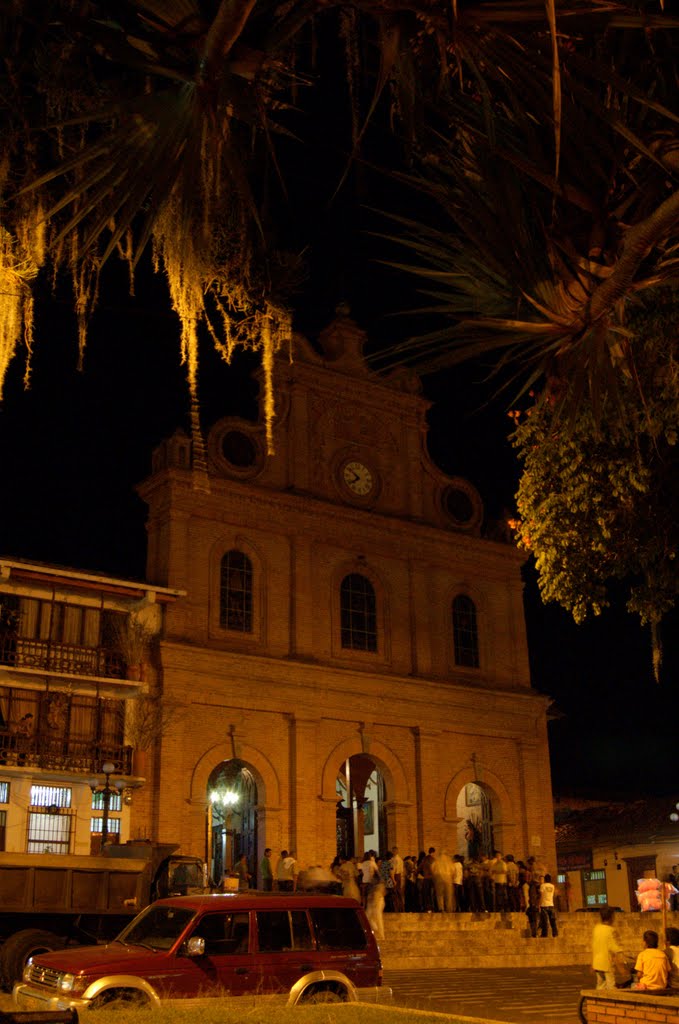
49, 831
115, 802
4, 792
594, 885
235, 594
97, 825
465, 632
358, 613
50, 796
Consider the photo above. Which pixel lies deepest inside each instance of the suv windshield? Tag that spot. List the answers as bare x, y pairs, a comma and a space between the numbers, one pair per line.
156, 927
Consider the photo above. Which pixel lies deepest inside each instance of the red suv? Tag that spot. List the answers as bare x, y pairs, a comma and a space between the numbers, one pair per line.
306, 948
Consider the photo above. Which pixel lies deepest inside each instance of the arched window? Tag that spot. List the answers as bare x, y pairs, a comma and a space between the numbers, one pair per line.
358, 613
465, 632
235, 592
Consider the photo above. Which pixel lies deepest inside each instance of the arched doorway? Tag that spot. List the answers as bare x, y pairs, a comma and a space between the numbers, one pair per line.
232, 817
361, 818
475, 816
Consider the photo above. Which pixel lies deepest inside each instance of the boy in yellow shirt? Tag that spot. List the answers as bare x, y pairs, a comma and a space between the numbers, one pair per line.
652, 966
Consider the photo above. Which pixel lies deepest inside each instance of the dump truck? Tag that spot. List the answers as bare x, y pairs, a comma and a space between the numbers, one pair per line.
49, 901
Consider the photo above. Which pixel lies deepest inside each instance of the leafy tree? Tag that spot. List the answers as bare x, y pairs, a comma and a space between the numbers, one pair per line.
556, 279
599, 501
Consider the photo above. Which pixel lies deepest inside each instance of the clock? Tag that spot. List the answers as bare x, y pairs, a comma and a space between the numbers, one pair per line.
358, 478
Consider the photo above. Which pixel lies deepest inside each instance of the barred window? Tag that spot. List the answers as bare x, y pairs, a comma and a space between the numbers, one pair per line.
358, 613
594, 885
115, 801
4, 792
465, 632
50, 796
49, 820
235, 594
112, 825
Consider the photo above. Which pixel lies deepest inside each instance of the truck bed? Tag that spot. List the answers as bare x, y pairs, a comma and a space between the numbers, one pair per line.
52, 883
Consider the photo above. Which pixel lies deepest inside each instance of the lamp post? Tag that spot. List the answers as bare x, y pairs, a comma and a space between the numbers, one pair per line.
106, 790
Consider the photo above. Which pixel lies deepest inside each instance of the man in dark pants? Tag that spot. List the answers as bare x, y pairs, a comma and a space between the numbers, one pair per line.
266, 871
428, 894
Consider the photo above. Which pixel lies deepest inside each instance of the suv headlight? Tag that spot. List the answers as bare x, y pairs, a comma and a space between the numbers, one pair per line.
66, 983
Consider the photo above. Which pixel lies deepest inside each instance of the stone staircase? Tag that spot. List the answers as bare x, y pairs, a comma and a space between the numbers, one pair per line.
502, 940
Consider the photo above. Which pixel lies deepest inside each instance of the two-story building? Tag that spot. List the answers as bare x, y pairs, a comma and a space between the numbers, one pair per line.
79, 705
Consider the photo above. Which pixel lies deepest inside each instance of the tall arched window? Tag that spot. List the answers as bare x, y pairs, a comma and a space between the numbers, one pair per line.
235, 592
358, 613
465, 632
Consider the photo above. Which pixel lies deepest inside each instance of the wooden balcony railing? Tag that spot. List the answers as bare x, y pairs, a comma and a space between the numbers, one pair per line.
44, 750
64, 659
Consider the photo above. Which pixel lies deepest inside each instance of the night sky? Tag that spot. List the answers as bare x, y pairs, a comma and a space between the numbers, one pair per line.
75, 444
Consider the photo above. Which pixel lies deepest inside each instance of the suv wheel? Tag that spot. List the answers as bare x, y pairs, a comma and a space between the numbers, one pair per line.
121, 999
324, 995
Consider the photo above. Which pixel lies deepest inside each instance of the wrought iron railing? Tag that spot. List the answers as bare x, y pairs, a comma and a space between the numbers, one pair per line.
44, 750
65, 659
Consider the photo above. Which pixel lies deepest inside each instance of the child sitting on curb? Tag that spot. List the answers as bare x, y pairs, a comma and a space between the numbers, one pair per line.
652, 967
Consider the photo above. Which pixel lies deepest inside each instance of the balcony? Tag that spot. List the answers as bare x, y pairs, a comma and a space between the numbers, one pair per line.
60, 658
55, 753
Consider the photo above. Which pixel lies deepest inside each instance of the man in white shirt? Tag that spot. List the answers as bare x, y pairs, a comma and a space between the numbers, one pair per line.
369, 874
605, 948
286, 872
547, 911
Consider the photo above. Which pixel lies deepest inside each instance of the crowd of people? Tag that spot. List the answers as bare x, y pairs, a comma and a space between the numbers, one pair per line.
655, 969
431, 882
436, 882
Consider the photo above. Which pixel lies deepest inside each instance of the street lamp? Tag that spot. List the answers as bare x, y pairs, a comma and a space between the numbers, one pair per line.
106, 789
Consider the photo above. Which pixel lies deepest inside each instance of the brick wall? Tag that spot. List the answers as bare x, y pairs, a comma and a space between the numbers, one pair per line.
287, 698
624, 1007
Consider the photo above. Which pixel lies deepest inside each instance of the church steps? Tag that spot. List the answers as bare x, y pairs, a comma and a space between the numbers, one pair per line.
420, 941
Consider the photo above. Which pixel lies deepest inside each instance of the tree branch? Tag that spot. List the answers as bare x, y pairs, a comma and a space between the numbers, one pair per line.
638, 242
225, 31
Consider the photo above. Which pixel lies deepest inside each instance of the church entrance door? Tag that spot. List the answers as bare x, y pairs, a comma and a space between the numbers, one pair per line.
361, 818
232, 818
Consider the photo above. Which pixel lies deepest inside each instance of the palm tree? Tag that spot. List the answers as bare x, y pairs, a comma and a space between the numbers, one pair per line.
153, 122
563, 282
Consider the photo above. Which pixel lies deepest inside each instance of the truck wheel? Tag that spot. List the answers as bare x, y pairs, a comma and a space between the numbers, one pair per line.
121, 999
22, 945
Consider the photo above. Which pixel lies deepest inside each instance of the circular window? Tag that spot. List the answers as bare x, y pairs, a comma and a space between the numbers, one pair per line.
458, 505
239, 449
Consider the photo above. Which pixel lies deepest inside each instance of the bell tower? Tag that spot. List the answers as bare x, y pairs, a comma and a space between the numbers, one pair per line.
347, 435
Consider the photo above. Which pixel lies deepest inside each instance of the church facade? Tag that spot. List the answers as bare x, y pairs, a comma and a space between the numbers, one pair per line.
348, 668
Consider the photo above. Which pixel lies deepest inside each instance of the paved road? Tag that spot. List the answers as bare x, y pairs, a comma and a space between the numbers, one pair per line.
531, 995
520, 995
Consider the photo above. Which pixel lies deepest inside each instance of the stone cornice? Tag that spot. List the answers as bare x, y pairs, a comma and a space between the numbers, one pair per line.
447, 697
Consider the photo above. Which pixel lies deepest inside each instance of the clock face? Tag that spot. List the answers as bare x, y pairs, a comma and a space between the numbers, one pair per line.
358, 478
